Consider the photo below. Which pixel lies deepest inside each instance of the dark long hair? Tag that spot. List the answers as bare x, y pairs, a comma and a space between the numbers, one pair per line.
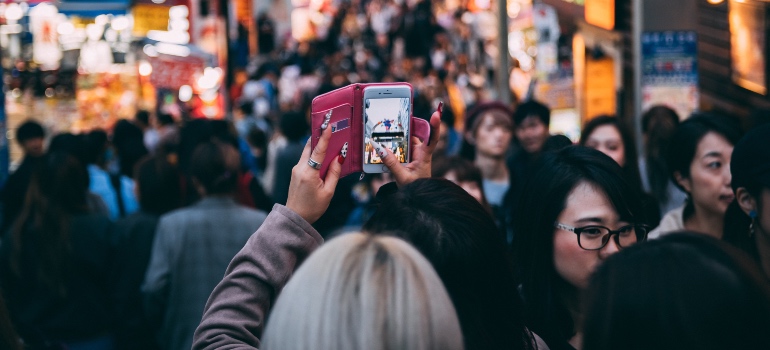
631, 168
683, 291
460, 239
57, 191
659, 124
684, 144
555, 175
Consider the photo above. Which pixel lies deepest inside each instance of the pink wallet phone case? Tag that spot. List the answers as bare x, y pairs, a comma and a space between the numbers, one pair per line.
346, 106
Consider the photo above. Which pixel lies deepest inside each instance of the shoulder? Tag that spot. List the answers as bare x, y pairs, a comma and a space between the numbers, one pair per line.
671, 222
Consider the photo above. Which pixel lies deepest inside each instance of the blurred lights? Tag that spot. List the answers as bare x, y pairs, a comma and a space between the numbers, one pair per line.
185, 93
150, 50
13, 12
65, 28
145, 69
715, 2
120, 23
172, 49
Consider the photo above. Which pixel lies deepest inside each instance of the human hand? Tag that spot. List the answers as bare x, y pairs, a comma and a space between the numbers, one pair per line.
422, 154
309, 195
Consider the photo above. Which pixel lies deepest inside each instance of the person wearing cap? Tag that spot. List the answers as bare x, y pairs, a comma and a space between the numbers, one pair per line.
750, 167
30, 135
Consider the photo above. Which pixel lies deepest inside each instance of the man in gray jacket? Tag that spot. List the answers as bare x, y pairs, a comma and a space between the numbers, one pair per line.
194, 245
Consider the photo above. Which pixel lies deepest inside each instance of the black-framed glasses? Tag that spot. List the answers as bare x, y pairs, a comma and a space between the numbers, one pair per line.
595, 237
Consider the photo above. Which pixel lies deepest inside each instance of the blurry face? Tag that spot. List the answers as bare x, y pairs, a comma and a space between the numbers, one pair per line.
586, 205
532, 133
471, 187
33, 147
492, 138
709, 181
607, 140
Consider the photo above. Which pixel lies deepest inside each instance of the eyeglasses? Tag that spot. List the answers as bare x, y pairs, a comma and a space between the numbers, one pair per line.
596, 237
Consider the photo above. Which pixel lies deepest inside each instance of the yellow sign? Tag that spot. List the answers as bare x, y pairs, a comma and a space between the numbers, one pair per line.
600, 96
600, 13
149, 17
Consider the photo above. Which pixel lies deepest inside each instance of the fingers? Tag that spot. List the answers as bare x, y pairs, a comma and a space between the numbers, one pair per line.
389, 160
435, 129
306, 151
333, 175
319, 153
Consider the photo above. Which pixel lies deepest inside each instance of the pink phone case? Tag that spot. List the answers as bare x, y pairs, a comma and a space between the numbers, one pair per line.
347, 122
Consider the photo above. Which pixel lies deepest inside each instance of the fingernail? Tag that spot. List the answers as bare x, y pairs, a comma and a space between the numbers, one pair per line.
440, 107
344, 152
340, 159
324, 126
381, 151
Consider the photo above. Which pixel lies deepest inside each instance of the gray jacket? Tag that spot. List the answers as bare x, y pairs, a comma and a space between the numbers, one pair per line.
235, 314
190, 253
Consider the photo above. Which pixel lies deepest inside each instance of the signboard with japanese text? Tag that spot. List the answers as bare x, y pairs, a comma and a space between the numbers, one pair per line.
670, 71
149, 17
174, 72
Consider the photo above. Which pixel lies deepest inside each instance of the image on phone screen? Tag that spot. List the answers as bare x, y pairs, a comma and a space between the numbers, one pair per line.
386, 123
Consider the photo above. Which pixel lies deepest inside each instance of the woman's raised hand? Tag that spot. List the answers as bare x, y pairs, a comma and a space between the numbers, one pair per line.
309, 195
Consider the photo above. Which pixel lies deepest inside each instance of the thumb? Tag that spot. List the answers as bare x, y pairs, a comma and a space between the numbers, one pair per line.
390, 161
333, 175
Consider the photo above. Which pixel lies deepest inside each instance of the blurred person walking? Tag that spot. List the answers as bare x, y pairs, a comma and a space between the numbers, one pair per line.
117, 191
30, 136
54, 262
158, 191
193, 246
658, 126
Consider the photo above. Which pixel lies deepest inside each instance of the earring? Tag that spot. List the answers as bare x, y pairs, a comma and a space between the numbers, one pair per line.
753, 216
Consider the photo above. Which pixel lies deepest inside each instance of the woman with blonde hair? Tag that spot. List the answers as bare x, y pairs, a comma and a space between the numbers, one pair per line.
364, 292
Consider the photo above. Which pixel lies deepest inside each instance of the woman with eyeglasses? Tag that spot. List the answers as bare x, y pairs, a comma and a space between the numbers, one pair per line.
576, 211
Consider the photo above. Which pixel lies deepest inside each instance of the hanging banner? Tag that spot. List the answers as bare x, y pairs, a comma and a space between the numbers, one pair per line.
44, 22
670, 71
170, 72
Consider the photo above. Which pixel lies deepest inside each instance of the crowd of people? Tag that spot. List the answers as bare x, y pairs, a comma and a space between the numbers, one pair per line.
166, 232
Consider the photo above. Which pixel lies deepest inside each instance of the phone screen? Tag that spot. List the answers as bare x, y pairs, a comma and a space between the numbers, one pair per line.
386, 122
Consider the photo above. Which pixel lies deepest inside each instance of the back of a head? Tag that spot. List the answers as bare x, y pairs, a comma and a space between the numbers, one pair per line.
364, 292
63, 181
294, 126
158, 183
143, 118
463, 169
658, 119
683, 291
532, 108
546, 190
684, 142
460, 239
215, 165
165, 119
96, 143
556, 143
29, 130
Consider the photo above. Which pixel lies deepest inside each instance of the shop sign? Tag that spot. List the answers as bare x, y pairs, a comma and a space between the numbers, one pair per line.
175, 72
670, 71
44, 23
600, 13
748, 44
600, 98
149, 17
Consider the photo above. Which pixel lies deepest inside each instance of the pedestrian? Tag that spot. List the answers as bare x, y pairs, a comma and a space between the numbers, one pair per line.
576, 211
658, 126
158, 192
698, 160
54, 262
30, 136
747, 224
610, 136
682, 291
193, 246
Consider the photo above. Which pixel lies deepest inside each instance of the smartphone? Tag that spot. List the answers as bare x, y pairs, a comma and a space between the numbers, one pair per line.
387, 116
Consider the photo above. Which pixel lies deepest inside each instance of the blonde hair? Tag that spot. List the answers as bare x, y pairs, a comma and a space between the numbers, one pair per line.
364, 292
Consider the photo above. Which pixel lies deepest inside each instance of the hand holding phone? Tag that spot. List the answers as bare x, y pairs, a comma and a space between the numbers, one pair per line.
422, 154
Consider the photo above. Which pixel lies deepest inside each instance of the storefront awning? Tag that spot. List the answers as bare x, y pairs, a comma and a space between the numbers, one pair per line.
93, 8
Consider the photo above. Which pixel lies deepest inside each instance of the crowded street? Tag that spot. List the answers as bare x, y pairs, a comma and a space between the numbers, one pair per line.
384, 174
